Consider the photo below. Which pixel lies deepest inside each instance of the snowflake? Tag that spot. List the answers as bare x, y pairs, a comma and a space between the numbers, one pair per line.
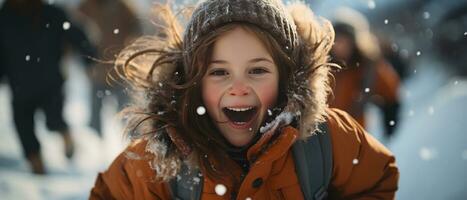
355, 161
431, 110
201, 110
426, 15
116, 31
371, 4
220, 189
196, 180
66, 25
427, 153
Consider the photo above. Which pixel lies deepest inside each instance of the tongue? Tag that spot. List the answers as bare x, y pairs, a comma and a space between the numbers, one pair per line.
240, 116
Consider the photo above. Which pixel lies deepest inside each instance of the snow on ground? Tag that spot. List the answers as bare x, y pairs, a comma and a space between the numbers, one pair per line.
431, 145
431, 139
67, 179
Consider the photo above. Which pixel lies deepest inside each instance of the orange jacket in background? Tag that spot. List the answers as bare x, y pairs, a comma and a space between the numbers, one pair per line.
374, 176
351, 95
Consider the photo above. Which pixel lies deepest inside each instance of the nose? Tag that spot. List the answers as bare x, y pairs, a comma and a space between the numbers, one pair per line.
239, 88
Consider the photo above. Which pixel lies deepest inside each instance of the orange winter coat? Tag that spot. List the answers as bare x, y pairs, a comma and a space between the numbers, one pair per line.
374, 176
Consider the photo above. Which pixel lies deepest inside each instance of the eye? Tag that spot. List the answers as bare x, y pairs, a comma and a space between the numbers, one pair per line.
259, 70
218, 72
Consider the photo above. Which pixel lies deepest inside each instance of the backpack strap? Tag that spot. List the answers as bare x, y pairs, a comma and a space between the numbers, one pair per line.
313, 164
187, 185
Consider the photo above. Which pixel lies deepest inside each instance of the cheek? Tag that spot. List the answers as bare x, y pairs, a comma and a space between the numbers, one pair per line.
267, 93
211, 96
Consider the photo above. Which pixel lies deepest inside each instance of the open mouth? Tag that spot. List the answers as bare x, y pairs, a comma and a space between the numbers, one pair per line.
240, 116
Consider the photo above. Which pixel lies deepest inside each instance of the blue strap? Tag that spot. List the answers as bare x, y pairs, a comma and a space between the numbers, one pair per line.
187, 185
313, 164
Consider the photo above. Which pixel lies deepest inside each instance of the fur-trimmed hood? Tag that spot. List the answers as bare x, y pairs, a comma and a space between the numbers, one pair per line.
307, 91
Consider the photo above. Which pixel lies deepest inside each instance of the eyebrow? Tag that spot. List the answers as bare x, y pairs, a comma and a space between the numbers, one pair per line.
254, 60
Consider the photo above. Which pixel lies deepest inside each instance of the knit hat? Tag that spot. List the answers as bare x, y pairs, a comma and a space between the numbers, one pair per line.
269, 15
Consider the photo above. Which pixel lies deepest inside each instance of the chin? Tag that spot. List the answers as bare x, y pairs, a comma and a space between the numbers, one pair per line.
240, 139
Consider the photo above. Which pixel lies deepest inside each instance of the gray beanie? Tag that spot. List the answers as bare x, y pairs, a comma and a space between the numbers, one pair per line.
269, 15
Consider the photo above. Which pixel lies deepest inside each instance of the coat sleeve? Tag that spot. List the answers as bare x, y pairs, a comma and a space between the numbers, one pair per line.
386, 89
129, 177
363, 168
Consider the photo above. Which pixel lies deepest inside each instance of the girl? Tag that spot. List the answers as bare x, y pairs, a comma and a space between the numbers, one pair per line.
229, 101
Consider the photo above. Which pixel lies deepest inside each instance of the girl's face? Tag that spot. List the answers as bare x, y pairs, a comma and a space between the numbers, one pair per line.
240, 85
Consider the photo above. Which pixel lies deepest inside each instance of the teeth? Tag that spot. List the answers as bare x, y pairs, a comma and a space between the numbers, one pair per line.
240, 109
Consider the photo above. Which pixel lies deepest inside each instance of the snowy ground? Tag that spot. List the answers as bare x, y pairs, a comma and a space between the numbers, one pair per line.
67, 179
431, 141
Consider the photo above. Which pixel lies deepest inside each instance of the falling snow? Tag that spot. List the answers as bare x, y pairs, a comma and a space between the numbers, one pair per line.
367, 90
355, 161
406, 163
196, 180
116, 31
427, 154
371, 4
201, 110
419, 53
392, 123
66, 25
426, 15
220, 189
431, 110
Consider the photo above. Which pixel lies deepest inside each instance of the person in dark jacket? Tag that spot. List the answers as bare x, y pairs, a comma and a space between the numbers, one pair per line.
33, 39
115, 25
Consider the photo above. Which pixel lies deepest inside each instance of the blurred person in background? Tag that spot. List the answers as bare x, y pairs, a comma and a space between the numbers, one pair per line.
366, 77
33, 40
113, 24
